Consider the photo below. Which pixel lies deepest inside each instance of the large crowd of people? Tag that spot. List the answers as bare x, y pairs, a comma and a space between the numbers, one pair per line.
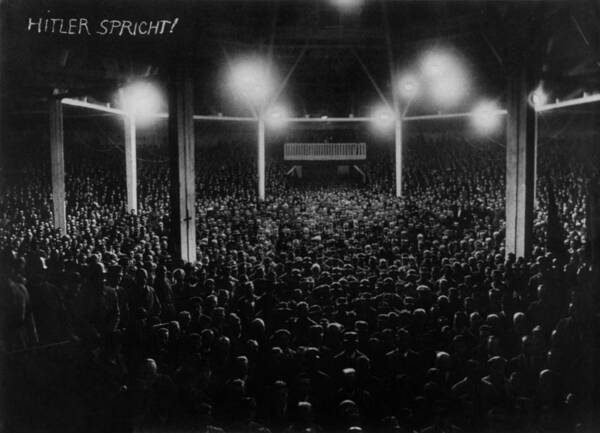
331, 306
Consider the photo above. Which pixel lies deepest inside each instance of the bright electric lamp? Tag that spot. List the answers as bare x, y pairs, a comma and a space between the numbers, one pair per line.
408, 86
539, 97
446, 77
277, 117
486, 117
448, 90
141, 99
382, 117
252, 79
437, 62
347, 5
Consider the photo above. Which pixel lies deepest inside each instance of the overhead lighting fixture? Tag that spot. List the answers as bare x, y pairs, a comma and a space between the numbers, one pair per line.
447, 78
486, 117
277, 117
436, 62
382, 118
141, 99
347, 5
252, 79
539, 97
408, 86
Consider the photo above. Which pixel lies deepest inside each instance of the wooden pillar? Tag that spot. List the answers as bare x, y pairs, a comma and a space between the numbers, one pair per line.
261, 159
57, 158
130, 163
4, 86
398, 151
181, 144
520, 164
535, 162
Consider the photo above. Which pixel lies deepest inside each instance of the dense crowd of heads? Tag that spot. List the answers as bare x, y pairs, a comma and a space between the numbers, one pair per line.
329, 307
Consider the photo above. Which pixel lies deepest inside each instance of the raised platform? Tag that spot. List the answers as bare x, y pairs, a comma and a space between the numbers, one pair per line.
338, 152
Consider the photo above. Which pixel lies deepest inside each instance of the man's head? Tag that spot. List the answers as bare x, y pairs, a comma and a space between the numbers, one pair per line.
302, 310
520, 323
496, 366
148, 371
305, 411
162, 337
350, 341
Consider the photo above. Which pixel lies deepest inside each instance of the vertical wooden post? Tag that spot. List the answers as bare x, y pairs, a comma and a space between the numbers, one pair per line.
57, 158
131, 163
520, 164
181, 143
261, 159
398, 152
3, 87
535, 161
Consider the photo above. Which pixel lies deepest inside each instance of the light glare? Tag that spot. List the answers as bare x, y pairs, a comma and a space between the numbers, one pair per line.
436, 62
252, 79
141, 99
277, 117
445, 76
347, 5
486, 117
408, 86
539, 97
449, 89
382, 117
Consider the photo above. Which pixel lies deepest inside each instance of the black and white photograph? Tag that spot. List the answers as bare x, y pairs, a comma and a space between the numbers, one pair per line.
299, 216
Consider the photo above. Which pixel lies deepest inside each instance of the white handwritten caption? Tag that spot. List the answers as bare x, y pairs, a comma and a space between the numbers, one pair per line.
106, 27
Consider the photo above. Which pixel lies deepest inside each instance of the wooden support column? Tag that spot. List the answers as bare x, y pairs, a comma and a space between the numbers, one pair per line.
535, 162
130, 163
3, 99
398, 151
57, 158
182, 155
261, 159
520, 164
